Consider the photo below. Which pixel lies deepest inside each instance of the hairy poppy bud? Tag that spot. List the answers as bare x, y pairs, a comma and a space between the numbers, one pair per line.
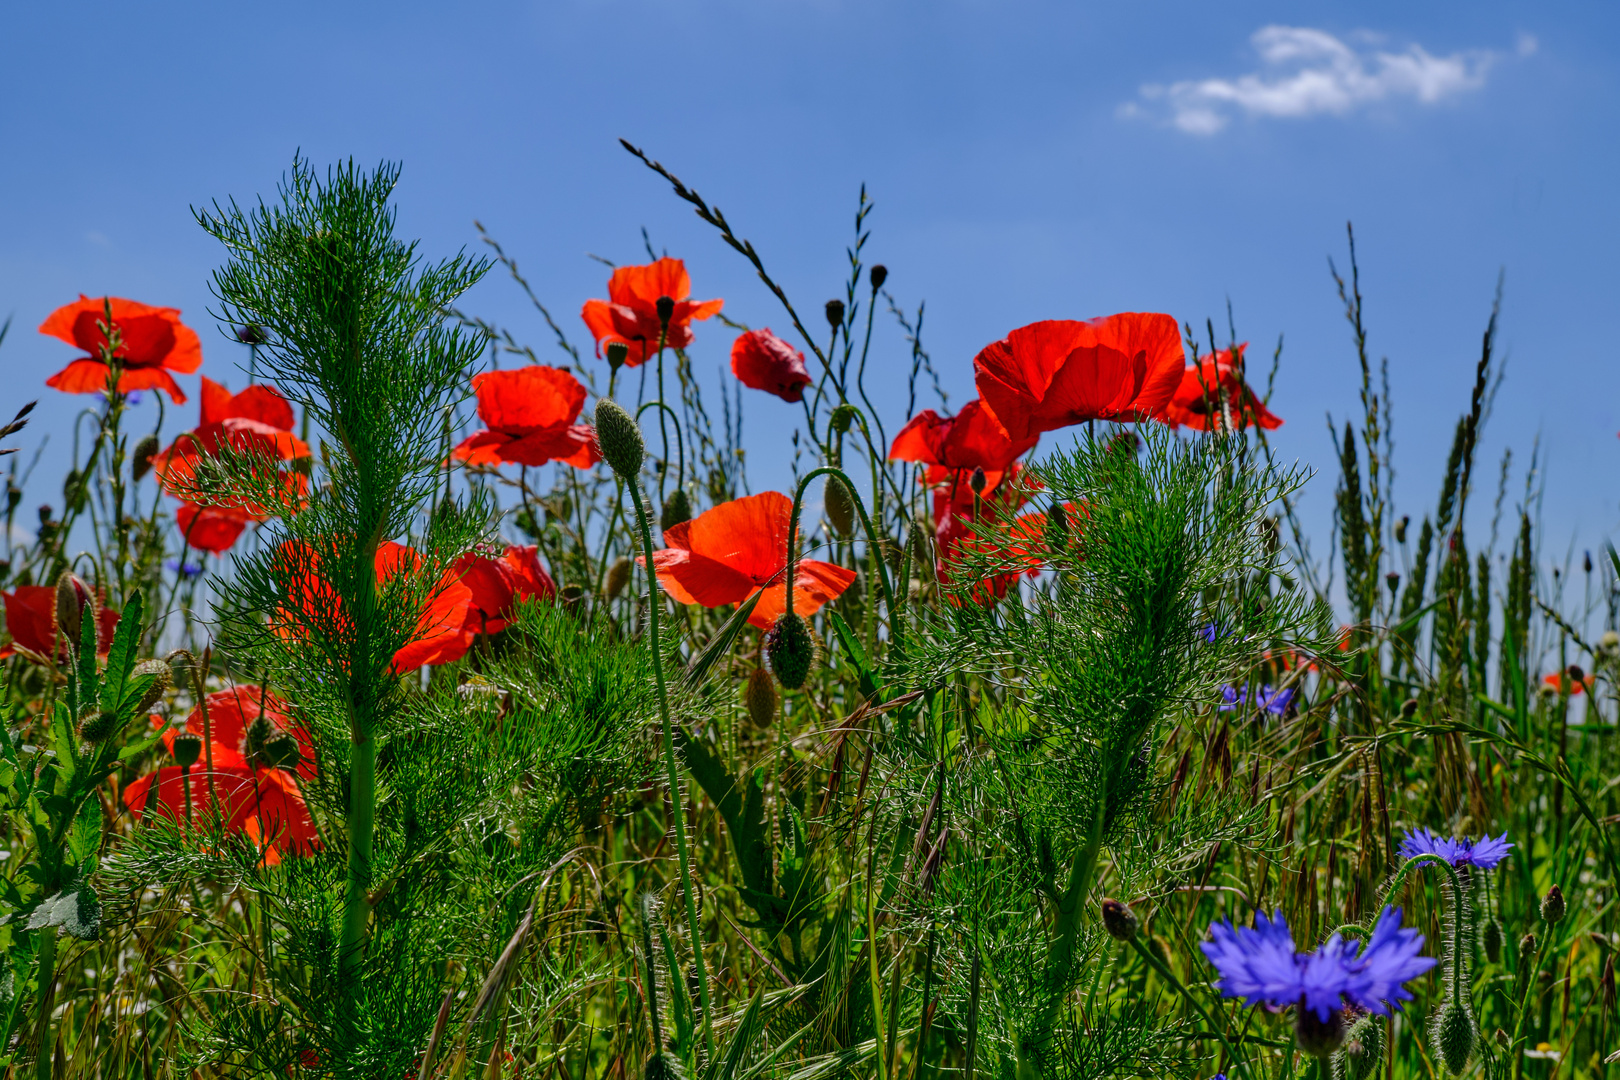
187, 749
1491, 938
281, 751
1362, 1051
1454, 1037
1393, 580
73, 596
97, 725
618, 576
256, 738
878, 275
617, 353
251, 334
162, 677
1552, 906
977, 480
145, 450
1119, 920
835, 313
677, 508
1056, 533
666, 310
759, 697
1576, 674
1400, 528
791, 649
619, 438
1317, 1037
840, 507
1409, 708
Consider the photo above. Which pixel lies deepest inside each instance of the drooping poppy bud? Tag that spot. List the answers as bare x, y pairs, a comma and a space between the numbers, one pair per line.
677, 508
141, 458
1363, 1049
1317, 1037
977, 480
1552, 906
791, 649
162, 676
97, 725
187, 749
617, 353
619, 438
73, 596
1491, 938
1454, 1037
618, 576
759, 698
878, 275
1119, 920
840, 508
835, 313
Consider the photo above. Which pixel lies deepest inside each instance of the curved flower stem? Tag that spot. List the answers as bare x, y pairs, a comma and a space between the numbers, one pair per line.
1456, 891
677, 800
895, 628
680, 447
1170, 976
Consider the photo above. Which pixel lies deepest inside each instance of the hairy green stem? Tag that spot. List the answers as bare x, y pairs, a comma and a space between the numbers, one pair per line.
44, 998
896, 628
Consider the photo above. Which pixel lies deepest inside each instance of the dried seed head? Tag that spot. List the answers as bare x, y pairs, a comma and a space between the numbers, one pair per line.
1454, 1037
617, 353
835, 313
73, 596
141, 457
1317, 1037
187, 749
878, 275
839, 507
619, 437
618, 576
98, 725
1552, 906
1119, 920
677, 508
791, 649
759, 698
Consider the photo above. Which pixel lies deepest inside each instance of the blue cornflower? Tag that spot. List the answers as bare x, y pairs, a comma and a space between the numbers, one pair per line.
1209, 633
1484, 853
185, 570
1232, 697
1261, 966
1276, 702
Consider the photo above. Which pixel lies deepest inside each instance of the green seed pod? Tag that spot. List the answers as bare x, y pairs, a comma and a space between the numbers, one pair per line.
187, 749
1552, 906
98, 725
839, 507
619, 437
1491, 938
759, 698
677, 508
281, 751
1362, 1051
141, 458
1119, 920
1454, 1037
791, 649
162, 678
617, 353
618, 576
1317, 1037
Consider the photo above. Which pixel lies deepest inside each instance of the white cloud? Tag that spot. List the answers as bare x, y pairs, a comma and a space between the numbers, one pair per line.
1308, 72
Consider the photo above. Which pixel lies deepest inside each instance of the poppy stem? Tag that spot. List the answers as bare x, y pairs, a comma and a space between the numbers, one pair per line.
680, 447
896, 628
677, 800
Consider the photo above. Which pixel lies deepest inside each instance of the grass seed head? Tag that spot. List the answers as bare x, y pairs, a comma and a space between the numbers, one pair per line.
618, 576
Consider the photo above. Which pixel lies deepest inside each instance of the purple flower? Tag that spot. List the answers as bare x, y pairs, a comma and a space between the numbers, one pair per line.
1209, 633
1261, 965
185, 570
1484, 853
1276, 703
1232, 697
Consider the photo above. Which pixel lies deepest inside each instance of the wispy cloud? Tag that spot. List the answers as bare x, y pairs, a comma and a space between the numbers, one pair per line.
1306, 72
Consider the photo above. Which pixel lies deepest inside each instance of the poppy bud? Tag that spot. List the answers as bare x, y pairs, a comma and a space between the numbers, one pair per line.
281, 751
145, 450
256, 739
759, 698
1362, 1051
251, 334
1576, 675
1552, 906
45, 514
677, 508
618, 576
617, 353
842, 417
840, 508
619, 438
72, 597
666, 311
835, 313
13, 495
162, 676
1491, 938
1393, 580
1454, 1037
187, 749
977, 480
1056, 532
97, 725
791, 649
1400, 528
878, 275
1119, 920
1317, 1037
1586, 563
1409, 708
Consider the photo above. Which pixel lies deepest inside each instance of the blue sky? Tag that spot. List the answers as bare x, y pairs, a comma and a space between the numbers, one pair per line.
1028, 160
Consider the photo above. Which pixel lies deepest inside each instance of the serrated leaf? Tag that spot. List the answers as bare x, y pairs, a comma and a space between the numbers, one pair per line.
121, 654
77, 913
84, 837
66, 745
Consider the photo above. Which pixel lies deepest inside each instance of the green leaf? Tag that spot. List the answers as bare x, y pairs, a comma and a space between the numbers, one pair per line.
720, 644
857, 655
77, 913
140, 746
66, 744
84, 837
121, 654
743, 809
747, 1030
88, 680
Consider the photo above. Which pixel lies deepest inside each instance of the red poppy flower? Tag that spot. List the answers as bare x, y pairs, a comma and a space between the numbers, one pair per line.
630, 314
972, 439
763, 361
530, 413
155, 342
1577, 686
725, 555
1013, 548
1214, 396
263, 804
31, 622
1052, 374
209, 528
498, 584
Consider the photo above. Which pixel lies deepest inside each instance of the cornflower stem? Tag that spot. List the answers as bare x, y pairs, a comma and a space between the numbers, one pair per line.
677, 800
895, 627
1169, 976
